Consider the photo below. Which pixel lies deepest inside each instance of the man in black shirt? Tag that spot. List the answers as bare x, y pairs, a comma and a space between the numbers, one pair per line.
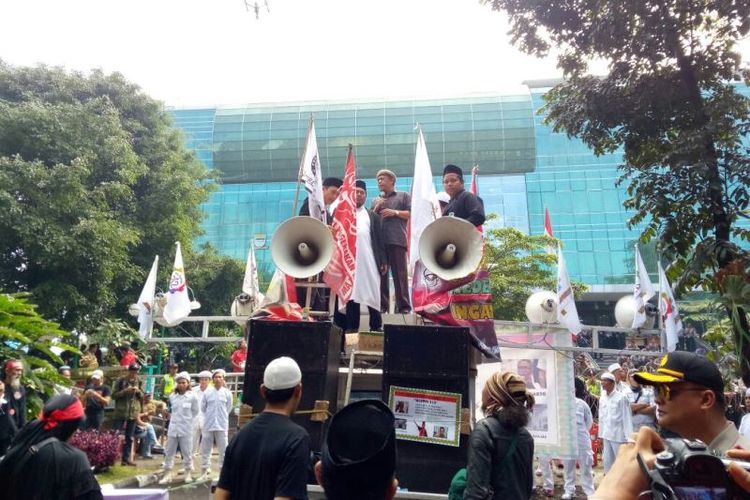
42, 465
15, 393
462, 204
7, 424
96, 397
331, 186
268, 458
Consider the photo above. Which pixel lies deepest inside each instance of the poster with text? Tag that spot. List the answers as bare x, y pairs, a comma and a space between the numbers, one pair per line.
426, 416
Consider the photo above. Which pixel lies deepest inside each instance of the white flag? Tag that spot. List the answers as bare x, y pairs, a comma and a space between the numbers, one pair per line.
310, 174
250, 284
146, 302
670, 316
642, 292
425, 207
567, 314
178, 302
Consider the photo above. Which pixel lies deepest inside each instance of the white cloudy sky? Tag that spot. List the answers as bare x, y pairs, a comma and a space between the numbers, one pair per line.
207, 52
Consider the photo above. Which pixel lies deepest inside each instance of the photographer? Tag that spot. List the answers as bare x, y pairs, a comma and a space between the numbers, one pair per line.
690, 401
626, 479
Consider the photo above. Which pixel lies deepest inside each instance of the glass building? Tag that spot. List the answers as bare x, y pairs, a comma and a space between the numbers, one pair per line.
524, 167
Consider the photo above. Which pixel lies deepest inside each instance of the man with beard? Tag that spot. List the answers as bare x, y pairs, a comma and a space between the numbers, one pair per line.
15, 393
41, 464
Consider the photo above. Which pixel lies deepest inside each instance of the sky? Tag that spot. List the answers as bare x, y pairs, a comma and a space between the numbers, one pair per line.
209, 52
215, 52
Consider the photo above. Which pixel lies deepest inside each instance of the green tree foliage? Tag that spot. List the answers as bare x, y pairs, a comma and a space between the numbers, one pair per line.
668, 104
519, 265
28, 337
215, 280
94, 182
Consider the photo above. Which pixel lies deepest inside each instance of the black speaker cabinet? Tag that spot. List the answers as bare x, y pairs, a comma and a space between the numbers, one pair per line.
434, 358
315, 346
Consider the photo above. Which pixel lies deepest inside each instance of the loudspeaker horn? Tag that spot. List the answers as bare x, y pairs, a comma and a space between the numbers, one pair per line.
302, 247
451, 248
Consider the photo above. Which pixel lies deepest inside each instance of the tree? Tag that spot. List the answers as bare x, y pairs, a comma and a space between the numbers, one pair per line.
669, 104
28, 337
519, 266
94, 181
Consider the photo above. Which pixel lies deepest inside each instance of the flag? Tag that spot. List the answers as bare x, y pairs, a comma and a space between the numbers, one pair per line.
473, 188
281, 290
311, 176
670, 316
548, 230
424, 204
146, 302
250, 284
567, 314
339, 274
642, 292
178, 302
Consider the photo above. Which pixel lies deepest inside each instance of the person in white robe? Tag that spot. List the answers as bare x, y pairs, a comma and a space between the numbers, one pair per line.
615, 419
370, 267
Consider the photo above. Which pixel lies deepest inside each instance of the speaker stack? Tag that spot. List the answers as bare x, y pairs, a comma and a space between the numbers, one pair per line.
432, 358
315, 346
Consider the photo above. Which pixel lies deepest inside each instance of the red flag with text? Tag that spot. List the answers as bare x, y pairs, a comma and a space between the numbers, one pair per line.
339, 274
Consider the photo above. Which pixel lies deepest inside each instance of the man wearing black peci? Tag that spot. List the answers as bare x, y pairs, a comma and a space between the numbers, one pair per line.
462, 204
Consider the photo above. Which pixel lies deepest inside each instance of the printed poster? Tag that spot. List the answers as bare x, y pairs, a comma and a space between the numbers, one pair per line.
426, 416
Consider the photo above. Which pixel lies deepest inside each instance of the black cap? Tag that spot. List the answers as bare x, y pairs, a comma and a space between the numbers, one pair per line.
360, 446
134, 367
681, 366
360, 184
453, 169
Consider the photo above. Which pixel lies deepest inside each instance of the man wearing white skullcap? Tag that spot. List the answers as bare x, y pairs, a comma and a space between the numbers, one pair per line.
183, 410
216, 405
621, 383
204, 378
615, 422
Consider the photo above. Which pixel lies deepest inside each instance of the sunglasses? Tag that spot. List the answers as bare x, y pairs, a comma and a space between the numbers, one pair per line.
668, 392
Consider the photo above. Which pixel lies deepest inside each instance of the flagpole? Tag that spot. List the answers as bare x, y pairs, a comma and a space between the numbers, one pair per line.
301, 166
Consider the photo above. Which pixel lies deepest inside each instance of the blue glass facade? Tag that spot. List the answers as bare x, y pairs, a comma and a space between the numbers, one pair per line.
525, 167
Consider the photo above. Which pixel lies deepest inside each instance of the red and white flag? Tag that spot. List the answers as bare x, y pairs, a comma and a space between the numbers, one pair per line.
425, 207
473, 188
339, 274
670, 316
548, 230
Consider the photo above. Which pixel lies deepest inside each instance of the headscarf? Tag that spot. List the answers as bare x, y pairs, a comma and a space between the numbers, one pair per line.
506, 389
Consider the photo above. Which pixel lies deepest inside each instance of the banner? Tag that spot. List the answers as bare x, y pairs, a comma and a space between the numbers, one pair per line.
178, 302
339, 274
250, 283
426, 416
146, 302
310, 174
567, 314
465, 302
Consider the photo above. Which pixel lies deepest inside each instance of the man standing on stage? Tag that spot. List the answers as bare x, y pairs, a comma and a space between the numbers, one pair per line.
331, 186
394, 209
463, 204
370, 265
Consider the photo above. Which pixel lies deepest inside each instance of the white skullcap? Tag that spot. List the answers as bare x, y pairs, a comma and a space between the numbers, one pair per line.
182, 375
282, 373
204, 374
614, 366
220, 371
608, 376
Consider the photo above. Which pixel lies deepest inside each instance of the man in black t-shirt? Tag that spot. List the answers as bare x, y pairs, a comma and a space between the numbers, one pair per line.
462, 204
96, 397
270, 456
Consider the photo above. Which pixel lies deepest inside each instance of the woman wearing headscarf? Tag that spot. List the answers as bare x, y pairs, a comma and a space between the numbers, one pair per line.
501, 450
40, 464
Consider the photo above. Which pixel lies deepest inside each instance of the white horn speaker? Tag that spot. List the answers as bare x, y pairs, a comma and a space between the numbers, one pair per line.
302, 247
451, 248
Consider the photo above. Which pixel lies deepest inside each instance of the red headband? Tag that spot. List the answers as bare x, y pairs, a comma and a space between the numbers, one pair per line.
72, 412
13, 363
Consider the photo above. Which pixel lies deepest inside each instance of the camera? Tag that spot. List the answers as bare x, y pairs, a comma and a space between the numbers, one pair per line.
692, 471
